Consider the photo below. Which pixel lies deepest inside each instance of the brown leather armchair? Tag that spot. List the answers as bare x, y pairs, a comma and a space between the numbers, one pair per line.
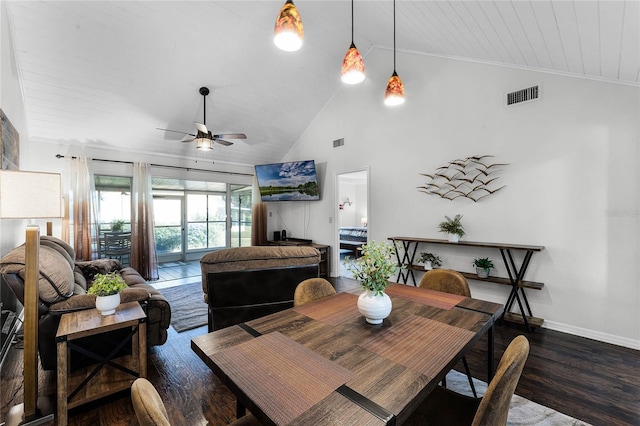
62, 287
244, 283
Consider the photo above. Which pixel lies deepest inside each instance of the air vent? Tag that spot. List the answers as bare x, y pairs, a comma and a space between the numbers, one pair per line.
338, 142
523, 95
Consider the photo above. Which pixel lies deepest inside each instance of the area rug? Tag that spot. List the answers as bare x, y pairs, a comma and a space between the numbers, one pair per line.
188, 310
521, 412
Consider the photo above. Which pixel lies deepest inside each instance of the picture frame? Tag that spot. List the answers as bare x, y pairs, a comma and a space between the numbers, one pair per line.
9, 144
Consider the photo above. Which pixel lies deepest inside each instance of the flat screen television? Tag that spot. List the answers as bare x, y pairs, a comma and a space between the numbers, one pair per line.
292, 181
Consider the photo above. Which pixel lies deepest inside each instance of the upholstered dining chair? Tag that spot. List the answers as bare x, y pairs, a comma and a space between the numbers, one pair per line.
312, 289
150, 409
445, 407
453, 282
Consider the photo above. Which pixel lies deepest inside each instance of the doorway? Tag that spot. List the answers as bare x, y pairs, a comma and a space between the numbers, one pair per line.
352, 218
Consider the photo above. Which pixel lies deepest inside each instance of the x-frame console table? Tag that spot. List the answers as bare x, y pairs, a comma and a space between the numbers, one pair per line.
406, 248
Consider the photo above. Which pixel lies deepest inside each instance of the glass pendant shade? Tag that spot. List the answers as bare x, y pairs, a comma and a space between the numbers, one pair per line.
289, 32
394, 95
353, 66
204, 144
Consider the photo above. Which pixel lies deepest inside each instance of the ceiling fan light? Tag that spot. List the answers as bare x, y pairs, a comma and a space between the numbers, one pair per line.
204, 144
394, 94
288, 32
352, 66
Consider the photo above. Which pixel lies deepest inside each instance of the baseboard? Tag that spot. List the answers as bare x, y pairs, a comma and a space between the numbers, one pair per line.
591, 334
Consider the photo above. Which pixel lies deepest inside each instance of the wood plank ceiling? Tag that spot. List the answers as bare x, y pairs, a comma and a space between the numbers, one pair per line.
108, 73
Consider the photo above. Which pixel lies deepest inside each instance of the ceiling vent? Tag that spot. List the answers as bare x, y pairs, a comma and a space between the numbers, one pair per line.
338, 142
523, 95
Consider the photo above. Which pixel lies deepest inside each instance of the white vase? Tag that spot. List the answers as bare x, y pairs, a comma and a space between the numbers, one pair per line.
374, 308
427, 265
107, 304
482, 272
454, 238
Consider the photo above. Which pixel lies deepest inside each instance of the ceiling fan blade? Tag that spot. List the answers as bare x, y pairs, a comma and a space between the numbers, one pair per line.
187, 138
223, 142
201, 127
174, 131
230, 136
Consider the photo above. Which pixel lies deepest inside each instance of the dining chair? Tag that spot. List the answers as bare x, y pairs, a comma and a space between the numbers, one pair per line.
312, 289
150, 409
453, 282
445, 407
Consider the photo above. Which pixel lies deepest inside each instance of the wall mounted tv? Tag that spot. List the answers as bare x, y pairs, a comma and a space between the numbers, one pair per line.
293, 181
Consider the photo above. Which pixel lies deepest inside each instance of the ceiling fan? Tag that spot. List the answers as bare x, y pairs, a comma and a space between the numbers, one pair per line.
203, 138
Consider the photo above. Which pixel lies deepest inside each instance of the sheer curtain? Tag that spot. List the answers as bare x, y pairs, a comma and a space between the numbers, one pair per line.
258, 217
144, 257
83, 208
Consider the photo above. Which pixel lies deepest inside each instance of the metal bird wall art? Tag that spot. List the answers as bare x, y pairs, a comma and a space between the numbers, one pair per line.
471, 177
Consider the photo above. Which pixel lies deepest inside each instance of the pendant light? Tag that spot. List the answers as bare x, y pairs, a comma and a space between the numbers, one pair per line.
352, 64
394, 95
289, 32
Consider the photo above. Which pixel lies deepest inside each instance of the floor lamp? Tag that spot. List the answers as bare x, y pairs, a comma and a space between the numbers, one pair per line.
30, 195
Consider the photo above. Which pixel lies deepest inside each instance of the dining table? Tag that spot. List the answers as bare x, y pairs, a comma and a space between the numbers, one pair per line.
321, 363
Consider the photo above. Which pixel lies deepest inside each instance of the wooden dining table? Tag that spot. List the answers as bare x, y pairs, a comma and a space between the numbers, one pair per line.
323, 364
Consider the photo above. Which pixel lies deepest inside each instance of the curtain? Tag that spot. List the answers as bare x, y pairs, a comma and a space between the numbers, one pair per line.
258, 217
144, 257
259, 224
83, 208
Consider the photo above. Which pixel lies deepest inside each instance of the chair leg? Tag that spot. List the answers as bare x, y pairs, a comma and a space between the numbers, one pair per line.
466, 368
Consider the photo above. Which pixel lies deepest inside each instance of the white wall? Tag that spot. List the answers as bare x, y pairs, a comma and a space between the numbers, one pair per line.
572, 180
12, 232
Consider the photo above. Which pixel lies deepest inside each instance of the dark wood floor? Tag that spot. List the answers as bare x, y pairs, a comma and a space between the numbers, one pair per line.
589, 380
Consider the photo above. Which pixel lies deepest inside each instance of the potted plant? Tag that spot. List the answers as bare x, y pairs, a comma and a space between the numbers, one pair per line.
107, 289
117, 225
483, 266
453, 227
430, 260
372, 269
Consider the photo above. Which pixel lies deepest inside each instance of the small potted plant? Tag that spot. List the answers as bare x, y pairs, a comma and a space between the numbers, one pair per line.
452, 227
107, 289
372, 269
483, 266
117, 225
430, 260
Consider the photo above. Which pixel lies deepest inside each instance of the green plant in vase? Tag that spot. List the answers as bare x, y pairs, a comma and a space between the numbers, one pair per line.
430, 260
373, 268
483, 266
107, 288
452, 227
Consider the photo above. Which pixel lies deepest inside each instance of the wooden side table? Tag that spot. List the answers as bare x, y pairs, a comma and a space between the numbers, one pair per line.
99, 382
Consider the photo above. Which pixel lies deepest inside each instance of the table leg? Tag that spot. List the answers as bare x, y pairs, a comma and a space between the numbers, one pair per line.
516, 275
142, 352
63, 366
490, 353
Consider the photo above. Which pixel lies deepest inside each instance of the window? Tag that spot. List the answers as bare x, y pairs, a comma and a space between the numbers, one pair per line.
206, 221
240, 216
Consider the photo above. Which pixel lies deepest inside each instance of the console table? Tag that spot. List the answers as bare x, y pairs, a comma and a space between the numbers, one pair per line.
406, 248
322, 248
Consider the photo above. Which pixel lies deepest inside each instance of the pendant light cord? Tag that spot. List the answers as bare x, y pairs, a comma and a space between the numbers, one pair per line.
351, 21
394, 36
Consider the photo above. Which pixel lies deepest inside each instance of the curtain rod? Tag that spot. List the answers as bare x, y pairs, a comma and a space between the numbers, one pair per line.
189, 169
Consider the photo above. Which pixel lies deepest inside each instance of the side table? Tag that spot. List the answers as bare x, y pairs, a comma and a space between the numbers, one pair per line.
99, 382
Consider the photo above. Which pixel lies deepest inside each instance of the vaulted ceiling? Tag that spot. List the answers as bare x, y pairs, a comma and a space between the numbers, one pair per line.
108, 73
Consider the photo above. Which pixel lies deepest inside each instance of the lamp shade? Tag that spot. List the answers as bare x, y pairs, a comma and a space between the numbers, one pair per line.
394, 95
204, 144
288, 32
30, 195
352, 66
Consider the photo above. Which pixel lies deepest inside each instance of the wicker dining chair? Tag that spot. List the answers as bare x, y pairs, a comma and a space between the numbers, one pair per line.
151, 411
312, 289
445, 407
452, 282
